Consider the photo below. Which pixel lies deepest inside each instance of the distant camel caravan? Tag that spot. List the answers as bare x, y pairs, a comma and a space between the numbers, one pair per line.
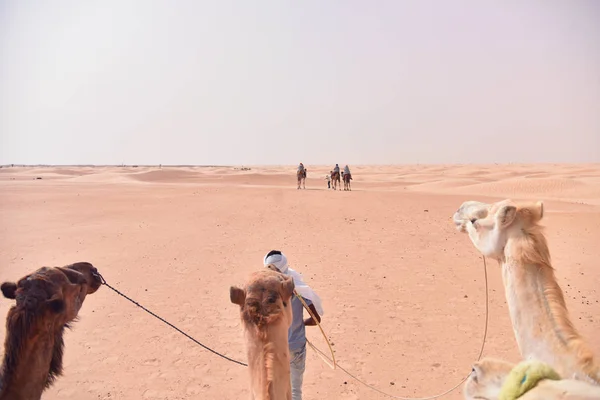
266, 314
510, 233
47, 302
334, 179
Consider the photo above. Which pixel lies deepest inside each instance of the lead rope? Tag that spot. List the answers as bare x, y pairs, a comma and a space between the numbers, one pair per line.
335, 365
167, 322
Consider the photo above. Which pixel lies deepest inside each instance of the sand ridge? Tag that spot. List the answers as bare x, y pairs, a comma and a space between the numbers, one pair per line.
401, 288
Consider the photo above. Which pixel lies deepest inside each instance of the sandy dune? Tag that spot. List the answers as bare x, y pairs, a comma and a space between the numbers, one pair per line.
402, 290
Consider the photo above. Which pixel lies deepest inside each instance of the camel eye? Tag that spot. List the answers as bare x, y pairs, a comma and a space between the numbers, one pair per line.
473, 220
284, 304
272, 299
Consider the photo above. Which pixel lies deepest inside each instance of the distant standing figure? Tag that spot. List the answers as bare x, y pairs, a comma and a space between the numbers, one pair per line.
328, 177
276, 260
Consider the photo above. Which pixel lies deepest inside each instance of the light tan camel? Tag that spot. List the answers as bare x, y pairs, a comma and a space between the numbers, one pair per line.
511, 234
489, 375
47, 301
266, 313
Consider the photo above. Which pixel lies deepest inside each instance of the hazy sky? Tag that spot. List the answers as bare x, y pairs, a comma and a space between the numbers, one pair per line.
282, 81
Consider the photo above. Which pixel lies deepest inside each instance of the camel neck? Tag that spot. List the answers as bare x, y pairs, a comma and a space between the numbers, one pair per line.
268, 360
541, 321
25, 377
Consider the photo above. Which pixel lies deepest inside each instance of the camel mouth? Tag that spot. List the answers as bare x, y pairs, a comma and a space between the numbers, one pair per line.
89, 275
459, 223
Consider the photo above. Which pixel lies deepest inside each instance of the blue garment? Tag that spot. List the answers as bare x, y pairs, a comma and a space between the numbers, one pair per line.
297, 331
297, 367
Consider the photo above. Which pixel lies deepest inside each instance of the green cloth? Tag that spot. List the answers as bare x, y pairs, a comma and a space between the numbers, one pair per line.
523, 377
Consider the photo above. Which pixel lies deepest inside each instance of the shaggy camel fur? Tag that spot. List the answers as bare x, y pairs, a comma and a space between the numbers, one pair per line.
511, 234
266, 313
489, 375
46, 302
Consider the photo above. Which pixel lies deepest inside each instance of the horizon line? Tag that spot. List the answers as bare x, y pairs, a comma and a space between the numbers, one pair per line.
273, 165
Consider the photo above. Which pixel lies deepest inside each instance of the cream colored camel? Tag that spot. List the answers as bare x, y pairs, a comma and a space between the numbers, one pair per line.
489, 375
511, 234
46, 302
266, 313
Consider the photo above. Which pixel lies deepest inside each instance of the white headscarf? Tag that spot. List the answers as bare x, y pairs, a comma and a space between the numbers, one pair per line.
280, 262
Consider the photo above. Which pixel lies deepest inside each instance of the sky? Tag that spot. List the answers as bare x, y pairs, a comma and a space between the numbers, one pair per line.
280, 82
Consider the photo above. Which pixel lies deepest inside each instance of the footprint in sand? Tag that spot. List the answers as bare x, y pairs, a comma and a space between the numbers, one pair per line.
179, 361
67, 393
110, 360
195, 389
152, 361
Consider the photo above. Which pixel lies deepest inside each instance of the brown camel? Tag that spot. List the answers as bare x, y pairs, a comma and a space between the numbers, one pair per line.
266, 313
347, 179
47, 301
301, 175
335, 180
510, 233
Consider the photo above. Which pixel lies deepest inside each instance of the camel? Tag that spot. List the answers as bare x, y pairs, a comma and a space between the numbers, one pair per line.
47, 301
266, 314
347, 179
301, 175
335, 180
510, 233
491, 379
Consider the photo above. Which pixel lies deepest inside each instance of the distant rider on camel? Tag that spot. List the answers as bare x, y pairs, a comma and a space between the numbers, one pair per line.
347, 171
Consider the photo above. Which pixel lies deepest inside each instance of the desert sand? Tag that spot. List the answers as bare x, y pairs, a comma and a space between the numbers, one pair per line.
403, 291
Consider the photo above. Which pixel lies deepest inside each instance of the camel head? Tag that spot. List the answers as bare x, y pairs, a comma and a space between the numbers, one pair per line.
468, 211
266, 299
491, 225
486, 379
54, 292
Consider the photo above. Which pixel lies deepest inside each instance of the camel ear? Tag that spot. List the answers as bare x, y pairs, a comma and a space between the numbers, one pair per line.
287, 287
237, 296
506, 215
538, 210
56, 305
532, 213
9, 290
477, 372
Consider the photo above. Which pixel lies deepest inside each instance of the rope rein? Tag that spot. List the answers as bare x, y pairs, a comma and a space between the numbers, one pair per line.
168, 323
485, 331
331, 362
